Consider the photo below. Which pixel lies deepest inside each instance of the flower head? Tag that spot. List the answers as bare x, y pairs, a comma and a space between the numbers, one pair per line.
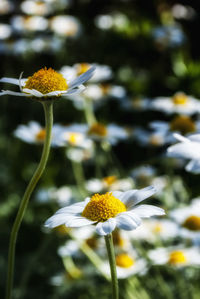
108, 211
47, 83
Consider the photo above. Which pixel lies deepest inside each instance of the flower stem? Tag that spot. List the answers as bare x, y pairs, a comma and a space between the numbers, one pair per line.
113, 270
48, 110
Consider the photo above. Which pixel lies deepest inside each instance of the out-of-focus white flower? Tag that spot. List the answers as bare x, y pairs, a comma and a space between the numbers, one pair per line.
47, 83
149, 138
29, 23
5, 7
180, 124
102, 72
188, 219
5, 31
35, 133
109, 183
179, 103
128, 264
31, 7
108, 211
62, 195
178, 256
66, 26
187, 148
81, 154
154, 230
104, 22
185, 12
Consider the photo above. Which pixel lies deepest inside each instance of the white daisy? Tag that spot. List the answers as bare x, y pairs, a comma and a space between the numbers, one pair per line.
128, 264
35, 133
187, 148
188, 219
180, 124
177, 256
47, 83
179, 103
108, 211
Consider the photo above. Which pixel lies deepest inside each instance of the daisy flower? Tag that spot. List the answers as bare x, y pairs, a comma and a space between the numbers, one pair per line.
108, 211
179, 103
180, 124
128, 264
177, 256
187, 148
34, 133
47, 83
188, 219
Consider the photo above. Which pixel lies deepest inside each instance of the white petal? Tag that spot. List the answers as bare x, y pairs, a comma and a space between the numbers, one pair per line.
77, 221
55, 93
14, 93
187, 150
82, 78
33, 92
56, 220
105, 228
75, 208
146, 211
12, 81
126, 222
193, 166
181, 138
132, 197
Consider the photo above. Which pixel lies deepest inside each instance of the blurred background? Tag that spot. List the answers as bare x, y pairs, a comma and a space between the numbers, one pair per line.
149, 49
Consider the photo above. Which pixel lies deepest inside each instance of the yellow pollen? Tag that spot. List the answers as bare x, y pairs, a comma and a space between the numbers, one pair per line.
82, 68
180, 98
109, 180
157, 228
155, 140
183, 124
40, 136
105, 88
117, 239
102, 207
92, 242
98, 130
177, 257
46, 80
74, 138
124, 260
192, 223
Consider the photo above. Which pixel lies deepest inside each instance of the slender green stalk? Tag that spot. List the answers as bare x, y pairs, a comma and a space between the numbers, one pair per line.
79, 176
113, 270
89, 113
48, 110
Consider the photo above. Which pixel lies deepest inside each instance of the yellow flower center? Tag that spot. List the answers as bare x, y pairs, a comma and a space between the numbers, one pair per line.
40, 136
177, 257
117, 239
46, 80
157, 228
155, 140
105, 87
109, 180
102, 207
82, 68
192, 223
183, 124
98, 130
74, 138
124, 260
61, 230
92, 242
180, 98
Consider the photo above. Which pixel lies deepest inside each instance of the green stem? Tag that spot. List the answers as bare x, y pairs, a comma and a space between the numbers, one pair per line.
48, 110
113, 270
89, 113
